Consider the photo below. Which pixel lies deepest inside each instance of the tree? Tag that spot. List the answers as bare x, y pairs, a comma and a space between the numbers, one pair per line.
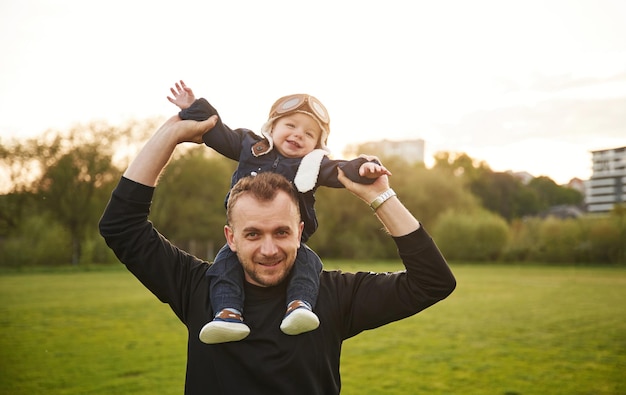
427, 193
12, 208
189, 202
460, 164
18, 168
551, 194
65, 175
430, 193
504, 194
68, 189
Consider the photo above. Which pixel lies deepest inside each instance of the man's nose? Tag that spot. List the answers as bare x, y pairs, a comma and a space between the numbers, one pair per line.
268, 247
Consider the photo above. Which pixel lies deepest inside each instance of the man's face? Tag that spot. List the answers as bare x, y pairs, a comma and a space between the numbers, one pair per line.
266, 237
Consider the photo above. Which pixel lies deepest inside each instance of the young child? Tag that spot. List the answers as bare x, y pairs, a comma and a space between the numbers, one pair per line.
293, 143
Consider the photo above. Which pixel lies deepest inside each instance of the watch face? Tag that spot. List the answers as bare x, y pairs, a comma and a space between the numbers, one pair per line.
382, 198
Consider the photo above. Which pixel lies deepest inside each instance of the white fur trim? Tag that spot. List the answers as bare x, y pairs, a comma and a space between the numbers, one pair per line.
266, 131
309, 170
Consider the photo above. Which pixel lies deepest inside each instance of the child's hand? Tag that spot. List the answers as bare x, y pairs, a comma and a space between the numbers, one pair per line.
372, 170
183, 96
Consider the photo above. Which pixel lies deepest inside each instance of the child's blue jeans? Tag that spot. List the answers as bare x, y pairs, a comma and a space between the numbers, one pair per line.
226, 285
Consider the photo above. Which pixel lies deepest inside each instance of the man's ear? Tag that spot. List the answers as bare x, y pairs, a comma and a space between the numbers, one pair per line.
300, 230
230, 237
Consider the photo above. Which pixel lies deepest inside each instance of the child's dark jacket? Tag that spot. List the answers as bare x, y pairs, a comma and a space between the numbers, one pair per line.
238, 145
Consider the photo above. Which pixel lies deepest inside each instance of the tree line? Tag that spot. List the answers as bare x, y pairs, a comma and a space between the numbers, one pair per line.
56, 186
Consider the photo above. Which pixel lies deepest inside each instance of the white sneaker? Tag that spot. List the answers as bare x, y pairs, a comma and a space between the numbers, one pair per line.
226, 327
299, 319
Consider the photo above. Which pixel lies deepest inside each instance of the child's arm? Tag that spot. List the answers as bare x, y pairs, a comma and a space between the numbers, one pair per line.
363, 170
221, 138
183, 95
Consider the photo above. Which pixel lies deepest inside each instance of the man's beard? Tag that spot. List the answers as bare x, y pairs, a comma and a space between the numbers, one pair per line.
263, 280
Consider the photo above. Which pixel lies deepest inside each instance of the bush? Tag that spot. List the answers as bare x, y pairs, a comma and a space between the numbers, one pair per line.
560, 241
95, 250
583, 240
38, 241
524, 240
474, 236
604, 240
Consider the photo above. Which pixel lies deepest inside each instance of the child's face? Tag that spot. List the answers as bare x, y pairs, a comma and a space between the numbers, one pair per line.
296, 135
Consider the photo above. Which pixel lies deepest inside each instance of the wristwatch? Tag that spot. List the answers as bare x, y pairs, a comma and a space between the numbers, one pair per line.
382, 198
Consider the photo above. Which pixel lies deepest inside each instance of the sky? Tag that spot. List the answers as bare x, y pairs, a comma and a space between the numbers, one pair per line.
523, 85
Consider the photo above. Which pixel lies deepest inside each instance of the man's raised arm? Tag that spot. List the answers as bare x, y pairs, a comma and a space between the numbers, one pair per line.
397, 219
156, 153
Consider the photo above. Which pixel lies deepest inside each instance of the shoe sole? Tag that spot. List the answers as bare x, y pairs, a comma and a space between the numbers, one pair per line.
223, 332
299, 321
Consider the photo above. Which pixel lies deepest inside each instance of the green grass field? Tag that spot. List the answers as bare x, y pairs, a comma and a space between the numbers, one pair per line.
505, 330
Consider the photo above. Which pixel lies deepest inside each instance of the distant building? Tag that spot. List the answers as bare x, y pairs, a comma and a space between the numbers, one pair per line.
524, 176
577, 184
412, 150
606, 187
563, 211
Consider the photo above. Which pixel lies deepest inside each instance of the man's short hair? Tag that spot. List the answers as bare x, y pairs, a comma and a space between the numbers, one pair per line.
263, 187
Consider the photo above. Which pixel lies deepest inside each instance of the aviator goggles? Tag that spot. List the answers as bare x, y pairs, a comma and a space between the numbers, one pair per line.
300, 102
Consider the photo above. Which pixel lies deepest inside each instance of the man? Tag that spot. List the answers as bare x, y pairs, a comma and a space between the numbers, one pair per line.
264, 230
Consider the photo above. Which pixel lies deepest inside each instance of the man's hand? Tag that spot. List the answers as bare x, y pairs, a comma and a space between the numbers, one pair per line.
153, 157
366, 192
183, 95
398, 221
188, 131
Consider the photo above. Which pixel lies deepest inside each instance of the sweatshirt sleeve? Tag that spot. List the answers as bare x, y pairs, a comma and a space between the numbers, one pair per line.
168, 272
221, 138
375, 299
328, 172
